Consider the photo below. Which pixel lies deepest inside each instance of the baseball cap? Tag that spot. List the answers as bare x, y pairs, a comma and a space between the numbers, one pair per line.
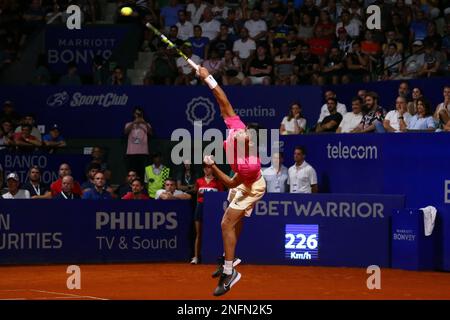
14, 176
417, 43
54, 127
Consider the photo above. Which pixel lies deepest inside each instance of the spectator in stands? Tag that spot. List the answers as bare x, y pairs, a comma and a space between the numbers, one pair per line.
402, 32
423, 119
392, 61
432, 62
391, 39
418, 27
358, 65
200, 44
163, 70
214, 64
403, 11
261, 67
351, 120
276, 175
138, 133
233, 24
92, 170
343, 42
186, 177
442, 113
169, 14
305, 28
433, 36
9, 114
414, 63
352, 26
36, 188
302, 176
328, 27
13, 182
331, 122
136, 191
243, 12
324, 112
244, 47
210, 26
333, 9
232, 69
220, 10
294, 122
186, 74
118, 77
67, 191
307, 66
99, 191
372, 48
373, 113
125, 187
173, 37
56, 187
223, 42
155, 175
319, 44
403, 89
29, 119
185, 28
24, 141
100, 70
311, 9
98, 155
412, 105
195, 11
71, 78
33, 19
170, 192
53, 140
257, 27
362, 94
6, 135
332, 67
291, 13
396, 120
207, 183
284, 68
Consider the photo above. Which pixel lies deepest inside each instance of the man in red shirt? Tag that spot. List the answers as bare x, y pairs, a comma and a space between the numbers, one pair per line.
319, 44
24, 141
136, 191
208, 183
56, 187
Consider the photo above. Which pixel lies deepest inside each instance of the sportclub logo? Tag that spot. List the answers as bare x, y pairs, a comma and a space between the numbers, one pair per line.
200, 109
58, 99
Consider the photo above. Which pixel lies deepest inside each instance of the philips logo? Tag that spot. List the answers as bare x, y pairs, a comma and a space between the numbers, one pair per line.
78, 99
340, 151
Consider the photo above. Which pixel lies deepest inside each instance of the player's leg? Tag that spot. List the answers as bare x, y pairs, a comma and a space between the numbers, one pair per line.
198, 240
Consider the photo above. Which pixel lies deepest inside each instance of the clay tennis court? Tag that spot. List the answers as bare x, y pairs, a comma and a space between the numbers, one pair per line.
184, 281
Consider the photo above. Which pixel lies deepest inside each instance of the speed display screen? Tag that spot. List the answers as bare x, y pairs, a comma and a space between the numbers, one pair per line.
301, 242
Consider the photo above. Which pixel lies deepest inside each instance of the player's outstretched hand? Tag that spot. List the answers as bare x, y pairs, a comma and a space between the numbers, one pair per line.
209, 160
203, 73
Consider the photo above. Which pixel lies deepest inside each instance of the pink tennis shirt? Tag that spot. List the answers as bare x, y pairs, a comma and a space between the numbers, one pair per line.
247, 166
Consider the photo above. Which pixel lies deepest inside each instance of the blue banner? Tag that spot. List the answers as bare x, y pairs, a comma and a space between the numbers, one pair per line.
82, 231
81, 46
49, 164
300, 229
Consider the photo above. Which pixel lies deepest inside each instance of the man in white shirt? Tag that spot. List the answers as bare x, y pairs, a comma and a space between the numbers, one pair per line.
244, 47
352, 26
396, 120
170, 192
302, 177
210, 26
257, 27
276, 175
186, 74
195, 10
324, 112
185, 28
220, 11
12, 181
352, 119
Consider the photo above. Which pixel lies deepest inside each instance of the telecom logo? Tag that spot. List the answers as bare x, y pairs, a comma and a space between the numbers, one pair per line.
200, 109
58, 99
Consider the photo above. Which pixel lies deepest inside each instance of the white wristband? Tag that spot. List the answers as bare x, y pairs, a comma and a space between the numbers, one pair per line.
211, 82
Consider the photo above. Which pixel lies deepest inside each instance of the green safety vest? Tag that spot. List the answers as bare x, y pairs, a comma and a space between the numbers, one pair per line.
158, 180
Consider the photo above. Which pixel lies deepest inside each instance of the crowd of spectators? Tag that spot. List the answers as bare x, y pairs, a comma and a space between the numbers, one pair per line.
299, 42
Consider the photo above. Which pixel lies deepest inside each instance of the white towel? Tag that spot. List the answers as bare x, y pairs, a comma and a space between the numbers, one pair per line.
429, 216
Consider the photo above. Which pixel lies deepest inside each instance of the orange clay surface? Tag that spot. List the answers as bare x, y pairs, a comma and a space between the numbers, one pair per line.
158, 281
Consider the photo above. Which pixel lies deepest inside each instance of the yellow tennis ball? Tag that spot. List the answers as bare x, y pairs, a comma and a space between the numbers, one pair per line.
126, 11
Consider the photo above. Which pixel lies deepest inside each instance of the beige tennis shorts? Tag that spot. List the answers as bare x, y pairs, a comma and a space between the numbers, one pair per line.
245, 197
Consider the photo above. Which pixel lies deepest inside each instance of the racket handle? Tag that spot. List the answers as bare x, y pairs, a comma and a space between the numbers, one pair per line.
193, 64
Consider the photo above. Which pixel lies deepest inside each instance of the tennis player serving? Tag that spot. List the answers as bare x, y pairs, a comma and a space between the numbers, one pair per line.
247, 186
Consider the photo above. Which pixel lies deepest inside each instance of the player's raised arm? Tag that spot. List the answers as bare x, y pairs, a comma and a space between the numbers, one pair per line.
225, 106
